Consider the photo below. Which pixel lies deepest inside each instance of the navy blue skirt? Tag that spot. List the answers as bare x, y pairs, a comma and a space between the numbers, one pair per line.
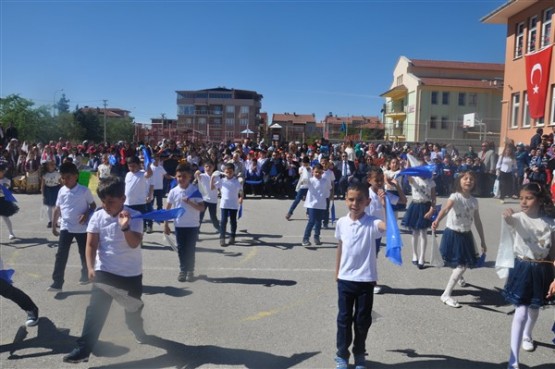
457, 248
414, 216
50, 195
528, 283
7, 208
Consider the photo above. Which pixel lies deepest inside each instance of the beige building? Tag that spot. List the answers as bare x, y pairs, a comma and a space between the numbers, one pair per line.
428, 101
529, 31
287, 127
219, 114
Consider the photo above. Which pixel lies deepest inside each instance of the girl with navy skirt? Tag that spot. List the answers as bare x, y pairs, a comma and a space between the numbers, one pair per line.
532, 231
418, 215
7, 207
50, 185
457, 244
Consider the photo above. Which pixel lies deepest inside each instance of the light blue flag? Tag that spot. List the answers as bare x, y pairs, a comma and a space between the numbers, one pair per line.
173, 183
553, 330
423, 171
195, 195
6, 274
332, 212
240, 212
8, 195
394, 244
161, 215
481, 261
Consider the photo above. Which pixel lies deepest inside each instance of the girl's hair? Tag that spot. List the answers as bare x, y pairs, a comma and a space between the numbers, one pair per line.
546, 203
458, 187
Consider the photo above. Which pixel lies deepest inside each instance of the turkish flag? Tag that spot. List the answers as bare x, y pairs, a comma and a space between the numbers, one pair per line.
537, 78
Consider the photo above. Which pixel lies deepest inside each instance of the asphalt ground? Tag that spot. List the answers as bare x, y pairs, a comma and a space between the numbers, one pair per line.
266, 302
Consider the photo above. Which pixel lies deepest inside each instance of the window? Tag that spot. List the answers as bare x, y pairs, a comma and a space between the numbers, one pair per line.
201, 109
186, 109
433, 122
400, 80
216, 121
515, 109
552, 105
230, 121
472, 99
230, 110
201, 121
526, 111
462, 99
444, 121
434, 97
244, 109
532, 31
445, 98
546, 27
244, 121
217, 109
519, 39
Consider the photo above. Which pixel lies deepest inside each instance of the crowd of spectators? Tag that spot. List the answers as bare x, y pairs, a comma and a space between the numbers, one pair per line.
273, 170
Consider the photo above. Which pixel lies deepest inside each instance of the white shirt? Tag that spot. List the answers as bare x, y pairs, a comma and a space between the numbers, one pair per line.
157, 178
318, 192
358, 251
104, 171
51, 179
136, 188
422, 189
114, 255
73, 203
208, 194
461, 215
506, 164
229, 188
304, 175
375, 209
330, 177
191, 217
532, 236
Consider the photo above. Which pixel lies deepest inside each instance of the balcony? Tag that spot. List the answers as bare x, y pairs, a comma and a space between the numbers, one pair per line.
395, 111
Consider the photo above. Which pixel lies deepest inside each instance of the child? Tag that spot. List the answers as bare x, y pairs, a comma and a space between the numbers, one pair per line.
302, 185
50, 185
328, 174
356, 274
104, 169
114, 263
74, 205
528, 282
319, 189
392, 186
457, 244
8, 291
231, 198
7, 208
210, 196
418, 215
186, 226
157, 181
138, 192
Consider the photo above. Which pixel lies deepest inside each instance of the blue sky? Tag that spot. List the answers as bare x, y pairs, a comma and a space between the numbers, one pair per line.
302, 56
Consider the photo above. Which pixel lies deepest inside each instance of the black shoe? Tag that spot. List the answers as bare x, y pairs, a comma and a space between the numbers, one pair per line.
182, 277
140, 337
232, 241
222, 242
49, 225
190, 277
32, 318
76, 356
317, 241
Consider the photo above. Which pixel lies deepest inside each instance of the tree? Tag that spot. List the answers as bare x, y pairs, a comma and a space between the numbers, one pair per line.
90, 123
119, 129
63, 105
31, 123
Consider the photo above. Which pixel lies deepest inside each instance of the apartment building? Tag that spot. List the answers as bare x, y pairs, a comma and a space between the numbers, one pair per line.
287, 127
529, 90
355, 127
219, 114
429, 99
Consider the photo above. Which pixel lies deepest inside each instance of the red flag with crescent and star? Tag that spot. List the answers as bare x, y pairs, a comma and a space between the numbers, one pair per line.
537, 80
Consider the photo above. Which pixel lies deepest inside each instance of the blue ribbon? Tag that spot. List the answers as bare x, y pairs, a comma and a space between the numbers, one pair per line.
423, 171
161, 215
394, 244
8, 195
6, 274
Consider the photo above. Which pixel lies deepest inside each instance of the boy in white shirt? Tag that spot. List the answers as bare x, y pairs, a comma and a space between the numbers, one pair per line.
187, 196
232, 198
356, 274
210, 196
114, 263
318, 192
138, 191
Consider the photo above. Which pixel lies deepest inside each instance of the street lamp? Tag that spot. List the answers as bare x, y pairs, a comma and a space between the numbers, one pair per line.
54, 101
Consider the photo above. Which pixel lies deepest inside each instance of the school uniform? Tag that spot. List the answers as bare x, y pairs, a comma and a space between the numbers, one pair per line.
229, 204
420, 204
318, 193
210, 198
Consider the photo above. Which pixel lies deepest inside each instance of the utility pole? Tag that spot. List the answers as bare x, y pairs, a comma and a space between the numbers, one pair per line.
163, 119
105, 142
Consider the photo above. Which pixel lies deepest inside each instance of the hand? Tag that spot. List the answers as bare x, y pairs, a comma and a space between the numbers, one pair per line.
91, 273
124, 218
55, 232
149, 198
240, 200
508, 216
551, 290
167, 230
83, 218
429, 214
484, 248
434, 225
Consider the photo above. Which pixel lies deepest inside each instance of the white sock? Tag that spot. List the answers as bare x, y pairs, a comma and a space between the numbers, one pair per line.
517, 328
49, 210
8, 224
423, 243
530, 322
457, 273
414, 244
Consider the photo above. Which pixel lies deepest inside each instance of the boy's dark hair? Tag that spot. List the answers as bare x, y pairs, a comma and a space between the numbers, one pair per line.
209, 162
184, 168
360, 187
318, 166
374, 170
230, 166
3, 167
112, 186
69, 168
133, 160
306, 159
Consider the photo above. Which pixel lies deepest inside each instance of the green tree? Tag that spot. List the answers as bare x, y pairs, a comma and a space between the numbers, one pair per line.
90, 123
119, 129
63, 105
30, 122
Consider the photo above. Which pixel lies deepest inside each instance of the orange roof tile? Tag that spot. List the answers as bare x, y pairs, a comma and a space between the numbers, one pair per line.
294, 118
421, 63
454, 82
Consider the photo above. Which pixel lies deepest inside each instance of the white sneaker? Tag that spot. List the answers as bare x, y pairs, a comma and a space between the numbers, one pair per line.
377, 290
449, 301
528, 344
11, 237
461, 282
